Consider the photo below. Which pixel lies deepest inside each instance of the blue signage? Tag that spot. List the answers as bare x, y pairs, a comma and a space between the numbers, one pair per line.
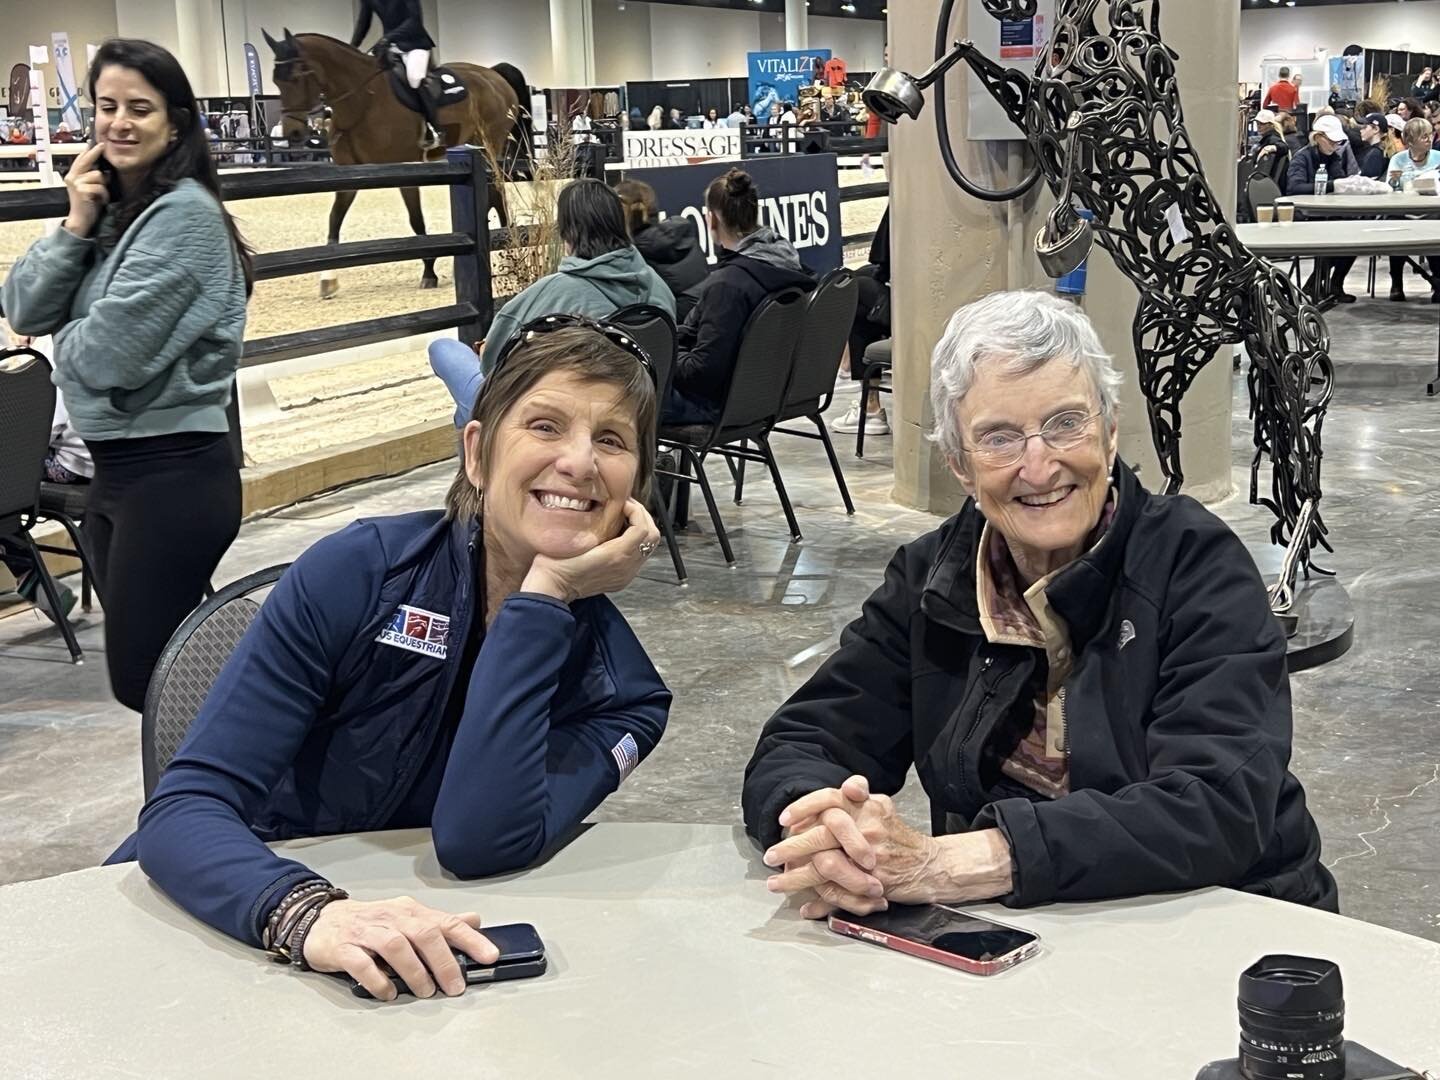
799, 199
778, 76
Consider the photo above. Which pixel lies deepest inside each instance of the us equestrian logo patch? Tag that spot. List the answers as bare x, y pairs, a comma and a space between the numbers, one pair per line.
418, 630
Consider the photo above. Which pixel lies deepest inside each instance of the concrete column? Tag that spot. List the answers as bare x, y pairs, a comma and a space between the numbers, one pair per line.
1207, 37
572, 42
797, 25
947, 248
950, 248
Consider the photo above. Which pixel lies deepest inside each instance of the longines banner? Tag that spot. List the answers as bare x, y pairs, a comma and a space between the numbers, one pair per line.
800, 199
657, 149
778, 76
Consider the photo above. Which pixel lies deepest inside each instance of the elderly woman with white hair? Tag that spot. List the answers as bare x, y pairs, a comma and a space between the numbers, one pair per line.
1086, 677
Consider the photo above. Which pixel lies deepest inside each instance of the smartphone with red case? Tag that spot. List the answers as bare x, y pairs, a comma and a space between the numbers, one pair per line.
943, 934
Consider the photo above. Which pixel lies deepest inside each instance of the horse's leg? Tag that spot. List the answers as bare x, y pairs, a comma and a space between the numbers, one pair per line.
330, 279
411, 195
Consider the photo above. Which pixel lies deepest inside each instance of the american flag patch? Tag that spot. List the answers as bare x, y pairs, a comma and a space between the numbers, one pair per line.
626, 755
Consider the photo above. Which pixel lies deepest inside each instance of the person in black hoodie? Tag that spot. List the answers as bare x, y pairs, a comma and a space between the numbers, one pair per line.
670, 247
754, 262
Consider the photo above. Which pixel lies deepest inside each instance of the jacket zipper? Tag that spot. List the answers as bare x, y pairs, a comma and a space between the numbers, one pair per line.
1064, 741
975, 727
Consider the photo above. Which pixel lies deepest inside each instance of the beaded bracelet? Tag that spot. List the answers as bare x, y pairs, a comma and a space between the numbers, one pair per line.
284, 908
290, 942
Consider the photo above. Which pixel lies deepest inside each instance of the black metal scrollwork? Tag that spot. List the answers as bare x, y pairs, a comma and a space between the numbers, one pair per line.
1102, 113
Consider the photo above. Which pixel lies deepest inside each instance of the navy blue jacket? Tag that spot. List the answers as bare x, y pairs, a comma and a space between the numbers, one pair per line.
1300, 180
316, 726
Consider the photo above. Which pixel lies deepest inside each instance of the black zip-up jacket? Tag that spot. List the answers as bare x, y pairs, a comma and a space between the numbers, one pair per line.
709, 339
1177, 711
401, 23
1300, 180
672, 249
1275, 164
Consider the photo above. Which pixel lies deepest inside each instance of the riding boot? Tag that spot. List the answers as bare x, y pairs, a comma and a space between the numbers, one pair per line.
431, 139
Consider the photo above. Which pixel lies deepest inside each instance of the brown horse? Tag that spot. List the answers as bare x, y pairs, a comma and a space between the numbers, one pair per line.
369, 125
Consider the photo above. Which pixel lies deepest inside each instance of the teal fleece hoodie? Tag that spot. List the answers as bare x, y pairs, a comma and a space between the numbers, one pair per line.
595, 287
148, 335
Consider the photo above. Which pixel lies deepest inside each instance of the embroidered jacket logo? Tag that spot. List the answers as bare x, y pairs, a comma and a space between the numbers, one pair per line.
1127, 633
418, 630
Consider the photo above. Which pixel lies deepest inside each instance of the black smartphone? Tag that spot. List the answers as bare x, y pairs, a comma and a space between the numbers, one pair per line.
522, 956
943, 934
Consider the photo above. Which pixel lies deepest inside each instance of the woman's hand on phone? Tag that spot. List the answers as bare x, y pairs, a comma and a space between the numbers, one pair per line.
605, 568
415, 940
89, 192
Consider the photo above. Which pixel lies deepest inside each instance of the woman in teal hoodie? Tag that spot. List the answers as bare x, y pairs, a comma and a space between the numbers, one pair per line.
600, 274
144, 288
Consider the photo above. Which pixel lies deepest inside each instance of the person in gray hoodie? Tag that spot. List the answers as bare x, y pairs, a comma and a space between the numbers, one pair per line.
144, 289
600, 274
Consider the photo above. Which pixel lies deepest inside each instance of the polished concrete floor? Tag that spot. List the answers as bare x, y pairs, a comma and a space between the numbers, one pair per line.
736, 641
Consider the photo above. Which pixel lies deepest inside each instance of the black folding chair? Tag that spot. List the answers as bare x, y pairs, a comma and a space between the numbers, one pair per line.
654, 330
188, 667
752, 402
829, 314
875, 366
27, 408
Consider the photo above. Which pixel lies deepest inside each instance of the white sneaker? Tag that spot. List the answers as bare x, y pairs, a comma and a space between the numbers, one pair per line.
849, 424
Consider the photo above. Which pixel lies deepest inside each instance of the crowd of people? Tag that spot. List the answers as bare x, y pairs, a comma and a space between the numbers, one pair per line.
1393, 147
1086, 676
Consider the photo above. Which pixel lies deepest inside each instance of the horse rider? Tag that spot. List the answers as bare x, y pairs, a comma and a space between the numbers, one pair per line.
402, 25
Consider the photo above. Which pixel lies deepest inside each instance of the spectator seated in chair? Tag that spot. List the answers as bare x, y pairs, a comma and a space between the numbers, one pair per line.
755, 262
1087, 677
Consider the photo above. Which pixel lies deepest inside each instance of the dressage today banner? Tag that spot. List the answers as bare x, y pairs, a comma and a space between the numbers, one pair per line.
778, 76
799, 199
657, 149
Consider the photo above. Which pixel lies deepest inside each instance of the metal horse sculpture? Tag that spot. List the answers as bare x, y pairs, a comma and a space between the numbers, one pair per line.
1102, 114
369, 125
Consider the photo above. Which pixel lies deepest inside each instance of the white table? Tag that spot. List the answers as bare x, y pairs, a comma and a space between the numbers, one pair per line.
1313, 239
1396, 204
668, 958
1308, 239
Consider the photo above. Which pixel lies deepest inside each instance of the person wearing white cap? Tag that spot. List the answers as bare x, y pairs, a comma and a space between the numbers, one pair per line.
1272, 154
1329, 148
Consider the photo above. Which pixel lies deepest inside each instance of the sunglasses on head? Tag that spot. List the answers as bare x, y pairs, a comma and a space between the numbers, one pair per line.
548, 324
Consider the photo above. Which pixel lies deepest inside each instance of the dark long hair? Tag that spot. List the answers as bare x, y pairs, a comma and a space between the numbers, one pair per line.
188, 157
590, 219
734, 199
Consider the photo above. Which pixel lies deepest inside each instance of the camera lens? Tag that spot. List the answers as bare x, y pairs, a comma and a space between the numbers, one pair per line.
1292, 1020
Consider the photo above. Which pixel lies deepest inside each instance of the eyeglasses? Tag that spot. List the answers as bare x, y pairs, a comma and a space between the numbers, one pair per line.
1063, 431
548, 324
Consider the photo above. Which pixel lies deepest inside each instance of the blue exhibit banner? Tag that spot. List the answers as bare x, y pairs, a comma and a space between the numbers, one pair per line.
799, 199
778, 76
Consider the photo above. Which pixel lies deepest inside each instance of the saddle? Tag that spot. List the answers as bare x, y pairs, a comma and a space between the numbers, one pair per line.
441, 86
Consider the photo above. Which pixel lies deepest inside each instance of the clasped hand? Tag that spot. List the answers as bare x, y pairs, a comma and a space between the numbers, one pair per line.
853, 851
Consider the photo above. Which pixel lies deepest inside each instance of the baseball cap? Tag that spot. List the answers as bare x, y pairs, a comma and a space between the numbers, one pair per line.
1395, 120
1265, 116
1374, 119
1331, 128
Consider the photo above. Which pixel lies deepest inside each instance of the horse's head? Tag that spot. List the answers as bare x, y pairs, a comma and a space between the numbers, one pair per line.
298, 83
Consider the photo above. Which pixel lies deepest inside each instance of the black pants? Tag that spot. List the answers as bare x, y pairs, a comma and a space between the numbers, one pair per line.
865, 331
161, 513
1397, 272
1332, 272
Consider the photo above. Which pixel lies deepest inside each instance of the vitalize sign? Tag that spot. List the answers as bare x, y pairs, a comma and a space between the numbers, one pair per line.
778, 76
657, 149
799, 199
